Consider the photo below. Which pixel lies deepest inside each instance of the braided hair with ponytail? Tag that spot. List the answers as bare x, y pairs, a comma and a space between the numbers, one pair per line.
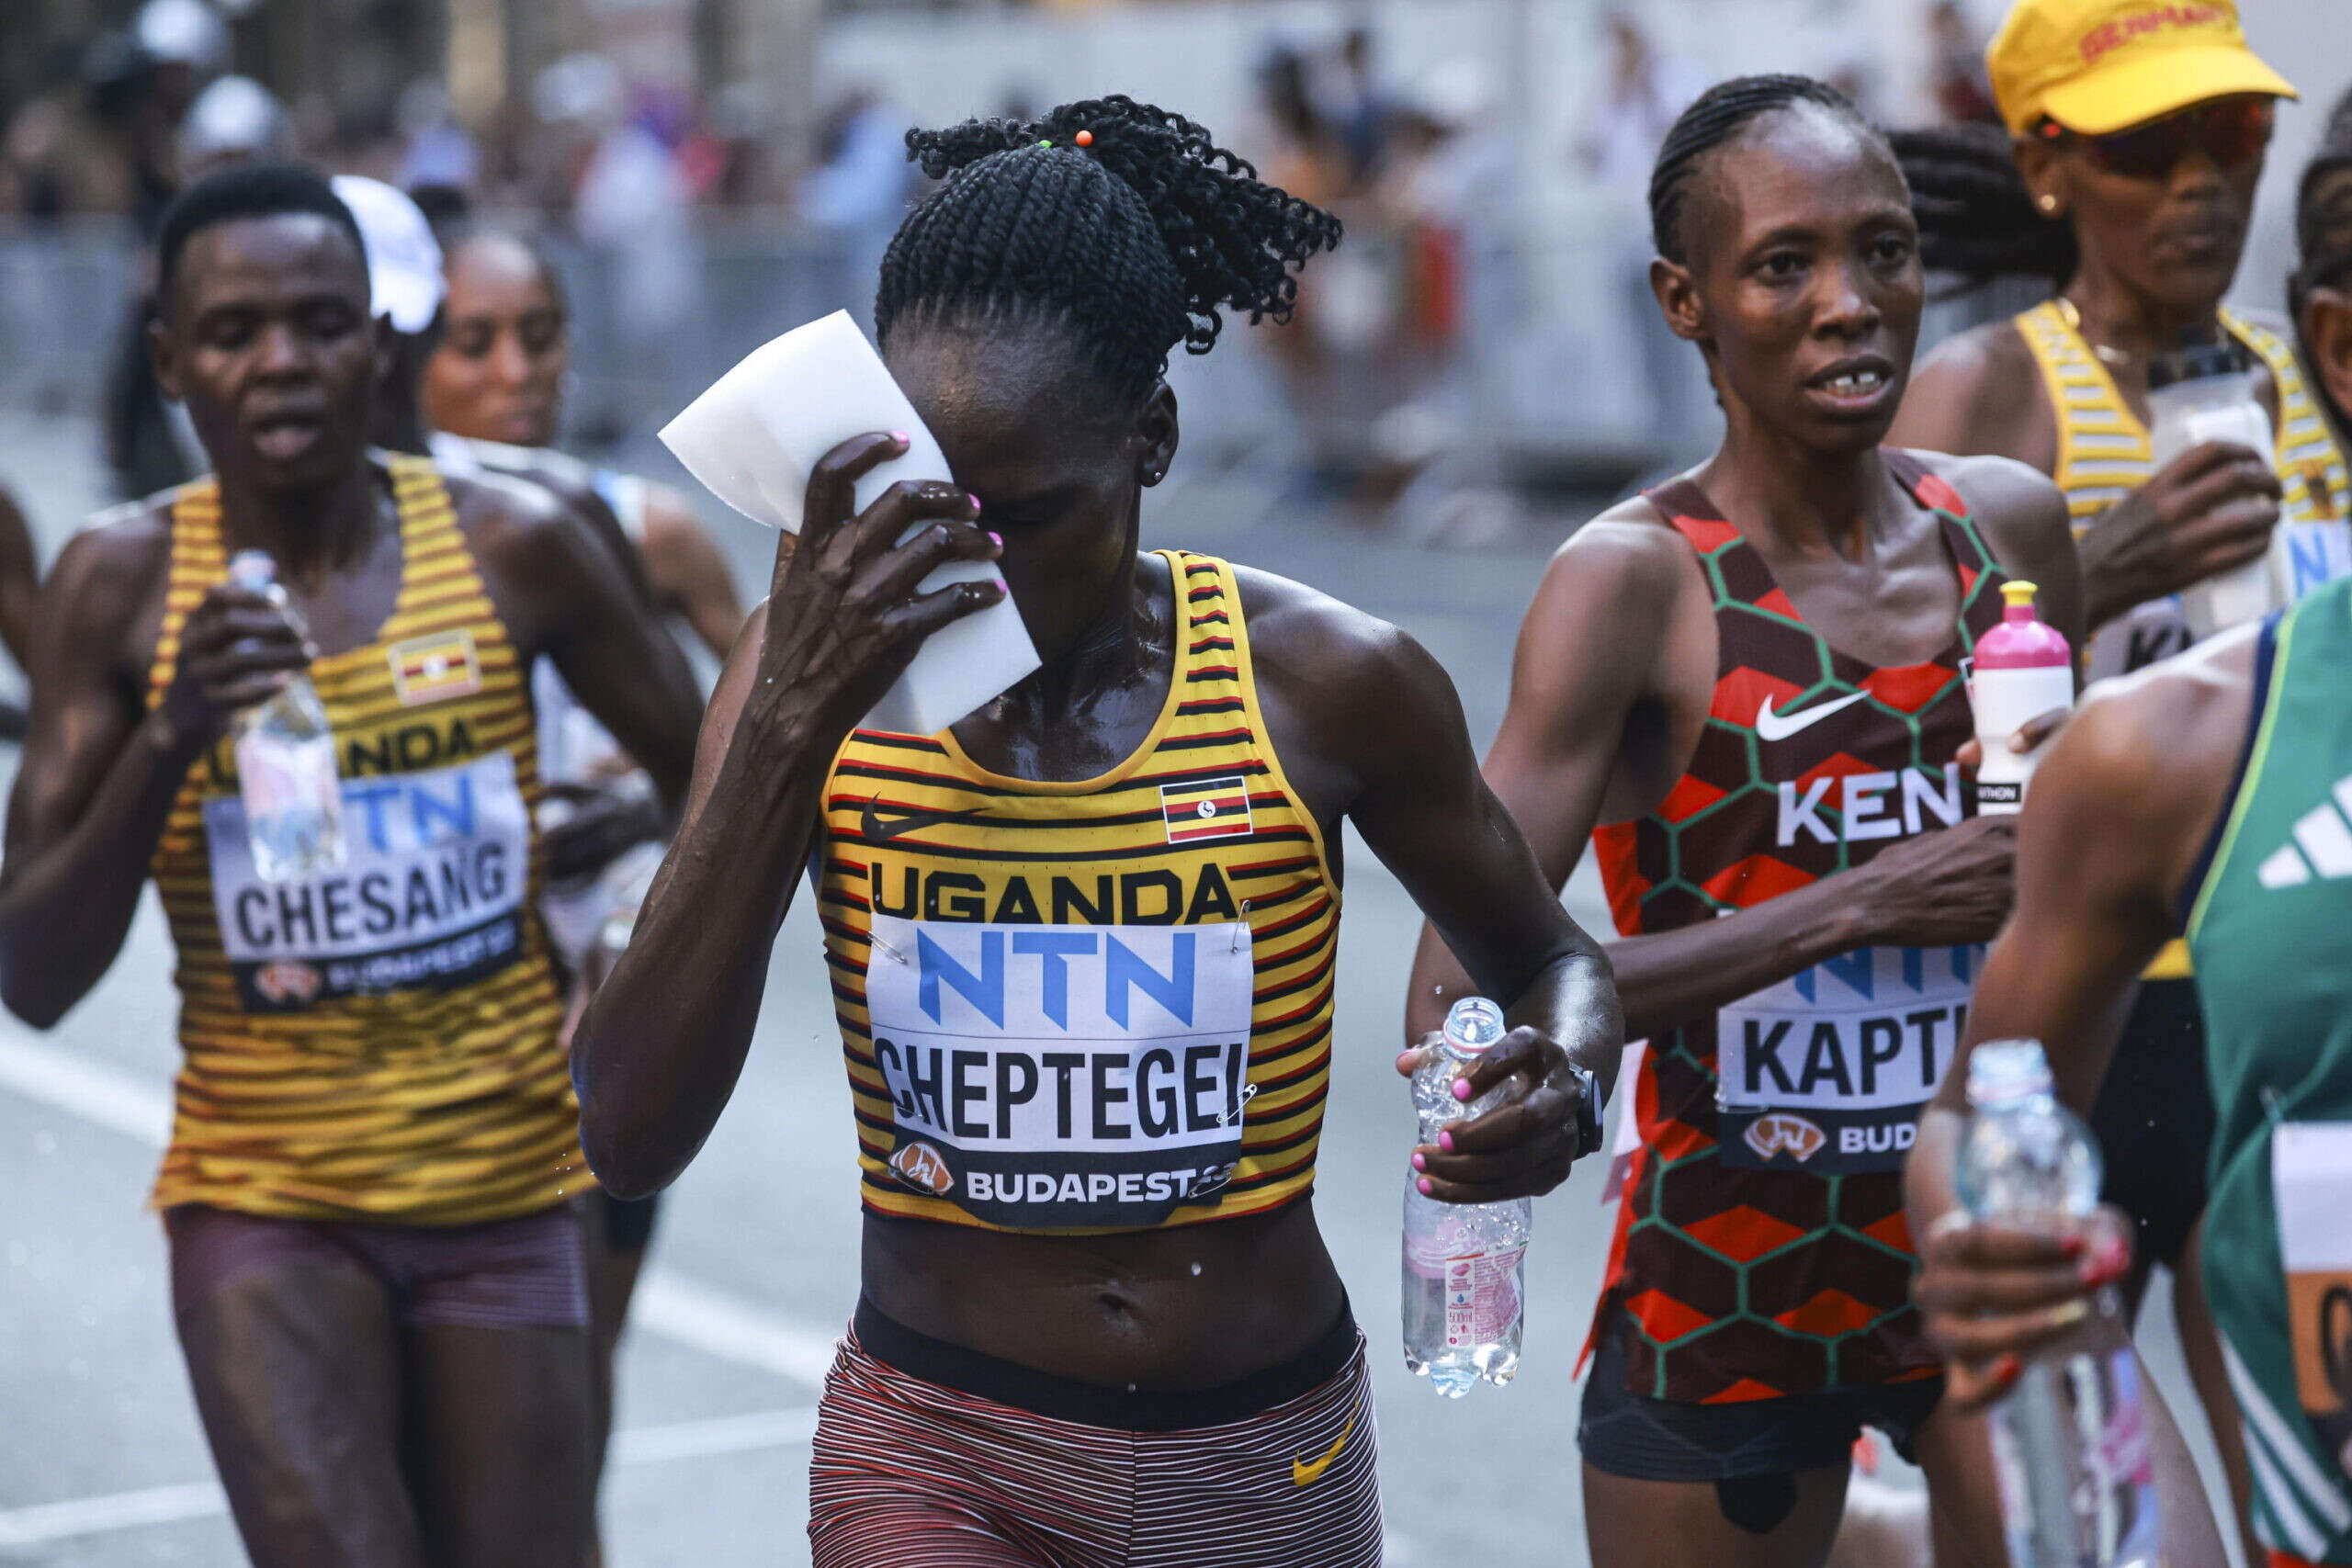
1977, 221
1717, 116
1122, 222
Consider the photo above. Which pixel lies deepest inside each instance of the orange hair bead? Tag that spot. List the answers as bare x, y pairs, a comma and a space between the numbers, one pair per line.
1084, 138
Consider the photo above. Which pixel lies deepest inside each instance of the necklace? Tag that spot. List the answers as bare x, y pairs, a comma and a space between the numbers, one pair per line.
2073, 319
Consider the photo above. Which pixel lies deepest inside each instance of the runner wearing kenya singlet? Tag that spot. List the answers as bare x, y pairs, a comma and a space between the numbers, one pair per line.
1770, 772
1083, 942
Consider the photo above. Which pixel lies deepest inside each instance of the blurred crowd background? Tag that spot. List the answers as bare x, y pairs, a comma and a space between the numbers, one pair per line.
713, 172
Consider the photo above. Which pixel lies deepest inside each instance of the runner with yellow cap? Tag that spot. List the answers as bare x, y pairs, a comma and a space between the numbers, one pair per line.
2135, 135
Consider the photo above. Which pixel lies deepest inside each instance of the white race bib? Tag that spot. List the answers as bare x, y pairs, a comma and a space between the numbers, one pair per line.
1053, 1077
2310, 1177
430, 896
1828, 1070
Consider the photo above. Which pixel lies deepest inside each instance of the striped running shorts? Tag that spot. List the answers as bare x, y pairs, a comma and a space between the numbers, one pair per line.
1278, 1471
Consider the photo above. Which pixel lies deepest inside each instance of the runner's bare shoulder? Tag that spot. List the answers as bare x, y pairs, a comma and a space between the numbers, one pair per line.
515, 523
534, 548
1355, 692
1630, 553
1312, 645
2004, 496
107, 590
1980, 392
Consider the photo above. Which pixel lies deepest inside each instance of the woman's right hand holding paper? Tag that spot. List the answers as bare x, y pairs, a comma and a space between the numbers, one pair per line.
844, 616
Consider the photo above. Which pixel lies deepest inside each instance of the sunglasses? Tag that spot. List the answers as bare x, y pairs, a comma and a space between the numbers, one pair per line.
2231, 131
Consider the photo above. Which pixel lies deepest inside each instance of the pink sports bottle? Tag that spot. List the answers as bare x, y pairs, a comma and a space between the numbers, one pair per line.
2023, 670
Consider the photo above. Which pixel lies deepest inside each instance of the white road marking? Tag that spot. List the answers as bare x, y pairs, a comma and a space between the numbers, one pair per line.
45, 1522
720, 1324
698, 1316
83, 1088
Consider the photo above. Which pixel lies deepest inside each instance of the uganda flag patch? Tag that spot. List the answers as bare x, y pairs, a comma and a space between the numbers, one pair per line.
433, 669
1208, 808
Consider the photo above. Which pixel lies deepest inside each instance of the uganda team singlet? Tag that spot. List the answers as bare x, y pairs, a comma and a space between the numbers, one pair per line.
2104, 454
1761, 1248
376, 1042
1101, 1005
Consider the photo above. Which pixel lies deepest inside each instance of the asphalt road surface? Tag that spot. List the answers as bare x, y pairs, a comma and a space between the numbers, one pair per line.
754, 1268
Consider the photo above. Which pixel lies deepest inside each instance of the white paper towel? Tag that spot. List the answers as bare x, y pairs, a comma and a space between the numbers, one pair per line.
755, 435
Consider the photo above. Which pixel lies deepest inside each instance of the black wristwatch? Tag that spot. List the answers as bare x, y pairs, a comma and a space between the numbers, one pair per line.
1587, 1110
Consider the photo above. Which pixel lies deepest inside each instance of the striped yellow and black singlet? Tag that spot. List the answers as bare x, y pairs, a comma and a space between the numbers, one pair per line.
2103, 451
1101, 1005
378, 1043
2104, 454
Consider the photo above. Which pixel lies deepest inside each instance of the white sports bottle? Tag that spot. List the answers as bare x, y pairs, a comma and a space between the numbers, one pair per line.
2022, 669
2199, 394
2070, 1441
1465, 1277
285, 766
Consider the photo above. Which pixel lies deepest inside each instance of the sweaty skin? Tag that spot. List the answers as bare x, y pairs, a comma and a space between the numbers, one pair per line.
2157, 257
1186, 1307
497, 375
1805, 261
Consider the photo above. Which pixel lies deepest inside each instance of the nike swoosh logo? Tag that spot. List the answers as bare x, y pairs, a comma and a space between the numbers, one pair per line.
1771, 725
1303, 1473
877, 830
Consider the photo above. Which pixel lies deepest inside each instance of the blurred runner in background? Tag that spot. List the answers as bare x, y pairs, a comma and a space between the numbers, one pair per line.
371, 1189
606, 820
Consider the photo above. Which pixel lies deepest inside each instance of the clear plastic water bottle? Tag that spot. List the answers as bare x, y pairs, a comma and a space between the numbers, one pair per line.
1464, 1278
286, 764
2070, 1440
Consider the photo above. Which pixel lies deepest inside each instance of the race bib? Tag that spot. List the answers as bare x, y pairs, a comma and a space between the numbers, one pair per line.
2310, 1175
1826, 1071
1058, 1077
430, 894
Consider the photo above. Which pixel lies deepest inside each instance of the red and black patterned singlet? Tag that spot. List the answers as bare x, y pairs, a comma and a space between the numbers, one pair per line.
1762, 1249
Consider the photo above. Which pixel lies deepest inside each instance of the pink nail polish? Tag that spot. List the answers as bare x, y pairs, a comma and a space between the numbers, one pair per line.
1002, 586
1421, 1162
1425, 1185
1445, 1142
973, 499
902, 437
996, 539
1461, 1089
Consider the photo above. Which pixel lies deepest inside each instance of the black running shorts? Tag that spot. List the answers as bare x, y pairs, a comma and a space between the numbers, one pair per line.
1628, 1434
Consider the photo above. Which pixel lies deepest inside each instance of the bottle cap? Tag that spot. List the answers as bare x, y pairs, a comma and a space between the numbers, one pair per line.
2001, 1071
252, 570
2193, 364
2018, 593
1473, 1024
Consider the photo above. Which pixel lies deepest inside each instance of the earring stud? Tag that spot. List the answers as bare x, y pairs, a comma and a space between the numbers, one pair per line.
2048, 203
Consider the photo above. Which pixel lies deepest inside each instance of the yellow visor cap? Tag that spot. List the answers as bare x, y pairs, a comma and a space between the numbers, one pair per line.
2096, 66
